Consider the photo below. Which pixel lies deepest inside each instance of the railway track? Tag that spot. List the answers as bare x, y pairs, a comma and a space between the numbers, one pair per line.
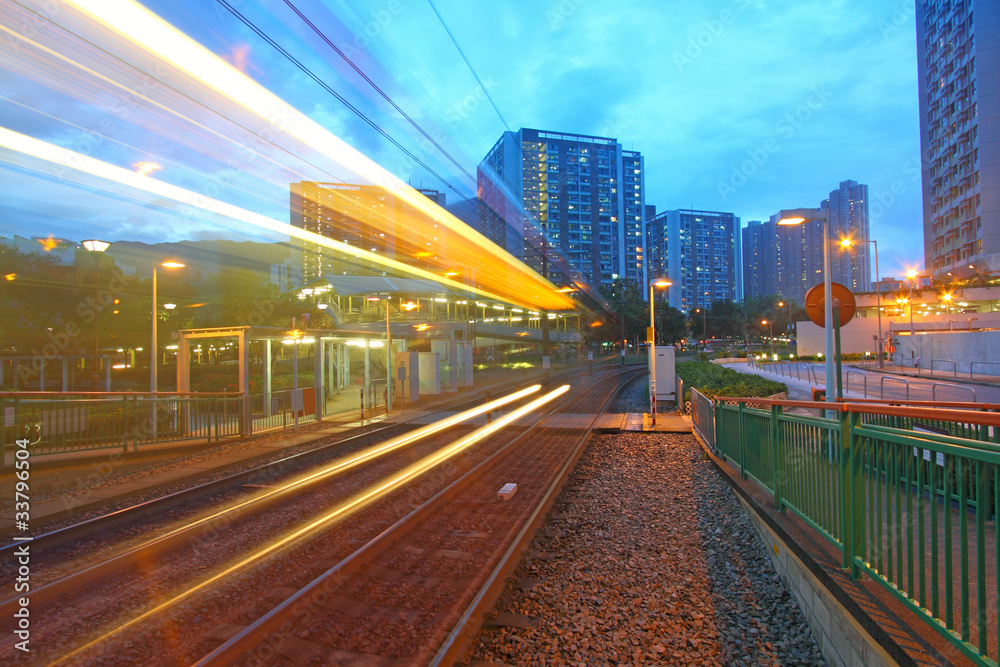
208, 583
258, 475
418, 592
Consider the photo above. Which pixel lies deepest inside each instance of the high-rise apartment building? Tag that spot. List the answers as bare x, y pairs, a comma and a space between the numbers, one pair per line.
959, 83
698, 252
579, 194
848, 207
760, 252
788, 260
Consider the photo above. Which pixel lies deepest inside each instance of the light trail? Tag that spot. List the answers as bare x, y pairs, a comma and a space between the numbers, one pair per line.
64, 158
339, 513
142, 27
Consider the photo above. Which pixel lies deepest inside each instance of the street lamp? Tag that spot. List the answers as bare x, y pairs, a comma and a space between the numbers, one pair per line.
847, 243
153, 384
704, 322
96, 249
797, 216
911, 276
662, 282
770, 329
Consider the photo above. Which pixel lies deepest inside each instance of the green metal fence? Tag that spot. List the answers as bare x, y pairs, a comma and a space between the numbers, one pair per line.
908, 494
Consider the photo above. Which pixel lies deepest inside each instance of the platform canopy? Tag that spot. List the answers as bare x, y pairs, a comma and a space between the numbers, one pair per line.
363, 285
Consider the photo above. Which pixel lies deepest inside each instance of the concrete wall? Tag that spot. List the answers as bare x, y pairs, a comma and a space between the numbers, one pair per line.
856, 335
962, 347
841, 639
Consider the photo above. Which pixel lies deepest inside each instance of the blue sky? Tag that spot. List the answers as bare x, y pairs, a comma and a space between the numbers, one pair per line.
737, 105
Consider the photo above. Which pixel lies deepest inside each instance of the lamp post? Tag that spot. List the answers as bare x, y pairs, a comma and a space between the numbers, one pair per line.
797, 216
770, 329
622, 320
878, 297
652, 343
153, 380
96, 249
911, 276
704, 322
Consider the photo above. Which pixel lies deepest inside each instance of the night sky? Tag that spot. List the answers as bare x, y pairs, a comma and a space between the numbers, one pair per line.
736, 105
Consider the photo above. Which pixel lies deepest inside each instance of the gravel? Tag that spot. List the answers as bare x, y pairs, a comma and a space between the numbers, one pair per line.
634, 398
647, 558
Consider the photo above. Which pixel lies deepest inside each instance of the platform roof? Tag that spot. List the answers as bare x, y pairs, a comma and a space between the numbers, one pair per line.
363, 285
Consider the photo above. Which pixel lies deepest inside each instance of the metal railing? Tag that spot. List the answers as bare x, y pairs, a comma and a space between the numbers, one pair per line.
908, 494
74, 422
864, 385
954, 366
890, 378
963, 387
972, 366
703, 416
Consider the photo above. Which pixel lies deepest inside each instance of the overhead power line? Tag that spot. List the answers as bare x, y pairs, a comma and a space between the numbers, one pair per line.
308, 72
374, 85
471, 68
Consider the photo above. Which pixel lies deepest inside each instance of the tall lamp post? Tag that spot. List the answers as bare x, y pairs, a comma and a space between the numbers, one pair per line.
96, 249
153, 360
662, 282
770, 329
797, 216
911, 277
878, 297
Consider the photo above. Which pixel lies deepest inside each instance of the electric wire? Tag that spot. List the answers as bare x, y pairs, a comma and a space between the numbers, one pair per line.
176, 90
360, 114
471, 68
374, 85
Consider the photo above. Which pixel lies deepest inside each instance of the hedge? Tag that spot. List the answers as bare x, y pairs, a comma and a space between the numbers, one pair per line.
713, 380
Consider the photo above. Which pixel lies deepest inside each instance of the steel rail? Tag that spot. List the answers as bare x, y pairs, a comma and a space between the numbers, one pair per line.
464, 632
273, 621
51, 591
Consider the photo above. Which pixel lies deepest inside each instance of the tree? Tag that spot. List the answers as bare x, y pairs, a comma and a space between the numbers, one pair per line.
626, 297
671, 325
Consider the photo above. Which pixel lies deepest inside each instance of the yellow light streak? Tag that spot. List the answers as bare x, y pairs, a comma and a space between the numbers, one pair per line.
347, 508
142, 27
146, 168
49, 244
61, 156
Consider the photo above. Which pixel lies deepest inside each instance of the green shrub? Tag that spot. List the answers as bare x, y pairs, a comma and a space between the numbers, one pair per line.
713, 380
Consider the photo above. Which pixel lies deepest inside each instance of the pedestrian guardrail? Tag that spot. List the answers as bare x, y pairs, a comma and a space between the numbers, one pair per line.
962, 387
864, 379
897, 380
908, 493
972, 367
954, 366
